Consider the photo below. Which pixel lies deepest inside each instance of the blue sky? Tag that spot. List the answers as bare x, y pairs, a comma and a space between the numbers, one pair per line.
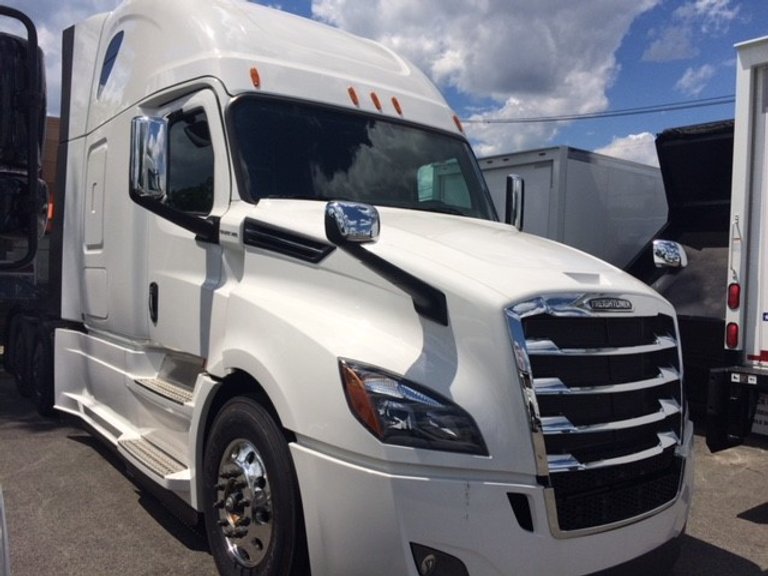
507, 59
553, 58
699, 62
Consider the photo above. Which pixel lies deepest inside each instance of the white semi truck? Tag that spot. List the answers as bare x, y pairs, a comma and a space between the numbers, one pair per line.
277, 314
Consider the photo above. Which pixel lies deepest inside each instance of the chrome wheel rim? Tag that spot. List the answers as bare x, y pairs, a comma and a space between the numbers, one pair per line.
244, 503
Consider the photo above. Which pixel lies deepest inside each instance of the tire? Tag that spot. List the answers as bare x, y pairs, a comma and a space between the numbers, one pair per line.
41, 372
18, 363
253, 514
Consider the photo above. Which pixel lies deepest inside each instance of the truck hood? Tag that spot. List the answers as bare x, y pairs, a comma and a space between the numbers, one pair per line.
463, 251
465, 255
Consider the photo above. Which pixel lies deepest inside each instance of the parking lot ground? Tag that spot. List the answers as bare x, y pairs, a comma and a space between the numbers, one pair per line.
72, 509
728, 526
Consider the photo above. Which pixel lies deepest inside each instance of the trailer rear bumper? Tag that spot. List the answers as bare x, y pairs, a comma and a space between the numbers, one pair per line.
731, 404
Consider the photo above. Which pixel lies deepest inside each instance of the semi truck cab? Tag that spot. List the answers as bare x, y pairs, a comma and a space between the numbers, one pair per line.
287, 302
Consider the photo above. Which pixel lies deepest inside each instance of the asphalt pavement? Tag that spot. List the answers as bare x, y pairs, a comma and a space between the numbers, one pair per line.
72, 509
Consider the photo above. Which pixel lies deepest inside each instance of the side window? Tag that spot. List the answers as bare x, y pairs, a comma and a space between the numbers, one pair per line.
109, 61
190, 163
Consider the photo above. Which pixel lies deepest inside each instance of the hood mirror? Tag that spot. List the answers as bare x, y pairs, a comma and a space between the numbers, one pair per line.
668, 254
351, 222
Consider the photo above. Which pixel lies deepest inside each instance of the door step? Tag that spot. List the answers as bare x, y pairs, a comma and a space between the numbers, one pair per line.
173, 391
151, 457
174, 381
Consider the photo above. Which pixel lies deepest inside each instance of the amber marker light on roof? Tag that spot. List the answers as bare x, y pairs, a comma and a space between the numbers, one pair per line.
376, 101
255, 78
396, 104
458, 123
353, 96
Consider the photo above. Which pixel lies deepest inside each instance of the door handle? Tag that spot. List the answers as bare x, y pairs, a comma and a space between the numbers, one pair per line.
153, 302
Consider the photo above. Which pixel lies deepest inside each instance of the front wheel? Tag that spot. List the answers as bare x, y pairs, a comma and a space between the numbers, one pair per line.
253, 511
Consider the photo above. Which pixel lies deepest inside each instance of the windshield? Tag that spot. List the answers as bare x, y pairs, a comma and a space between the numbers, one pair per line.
298, 150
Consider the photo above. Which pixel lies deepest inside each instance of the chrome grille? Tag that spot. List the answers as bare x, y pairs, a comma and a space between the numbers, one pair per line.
605, 399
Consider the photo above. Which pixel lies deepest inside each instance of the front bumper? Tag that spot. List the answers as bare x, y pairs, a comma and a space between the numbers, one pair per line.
363, 521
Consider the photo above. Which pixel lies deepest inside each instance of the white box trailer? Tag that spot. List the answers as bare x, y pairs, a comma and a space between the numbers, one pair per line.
737, 390
608, 207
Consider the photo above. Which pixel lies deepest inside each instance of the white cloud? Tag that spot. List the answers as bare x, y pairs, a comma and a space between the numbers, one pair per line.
511, 58
712, 16
677, 41
674, 43
695, 80
520, 58
636, 147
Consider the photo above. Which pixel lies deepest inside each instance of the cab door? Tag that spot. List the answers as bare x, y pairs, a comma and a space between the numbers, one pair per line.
184, 266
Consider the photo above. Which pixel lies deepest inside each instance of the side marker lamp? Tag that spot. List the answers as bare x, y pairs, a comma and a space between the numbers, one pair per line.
734, 296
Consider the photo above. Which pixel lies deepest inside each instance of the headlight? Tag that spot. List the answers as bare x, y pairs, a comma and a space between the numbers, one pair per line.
397, 411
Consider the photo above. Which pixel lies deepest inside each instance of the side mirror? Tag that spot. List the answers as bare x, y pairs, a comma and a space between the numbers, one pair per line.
351, 223
515, 201
149, 176
149, 157
23, 196
668, 254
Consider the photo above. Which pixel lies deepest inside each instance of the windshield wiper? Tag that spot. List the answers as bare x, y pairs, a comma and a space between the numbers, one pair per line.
437, 206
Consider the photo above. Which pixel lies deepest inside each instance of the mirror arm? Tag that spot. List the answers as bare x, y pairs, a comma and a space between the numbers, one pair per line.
206, 229
351, 225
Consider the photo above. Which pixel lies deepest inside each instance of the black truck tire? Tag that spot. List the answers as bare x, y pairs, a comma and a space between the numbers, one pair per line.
18, 351
253, 513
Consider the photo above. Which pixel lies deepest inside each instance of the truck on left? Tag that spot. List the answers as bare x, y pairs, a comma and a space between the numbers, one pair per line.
23, 194
24, 199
